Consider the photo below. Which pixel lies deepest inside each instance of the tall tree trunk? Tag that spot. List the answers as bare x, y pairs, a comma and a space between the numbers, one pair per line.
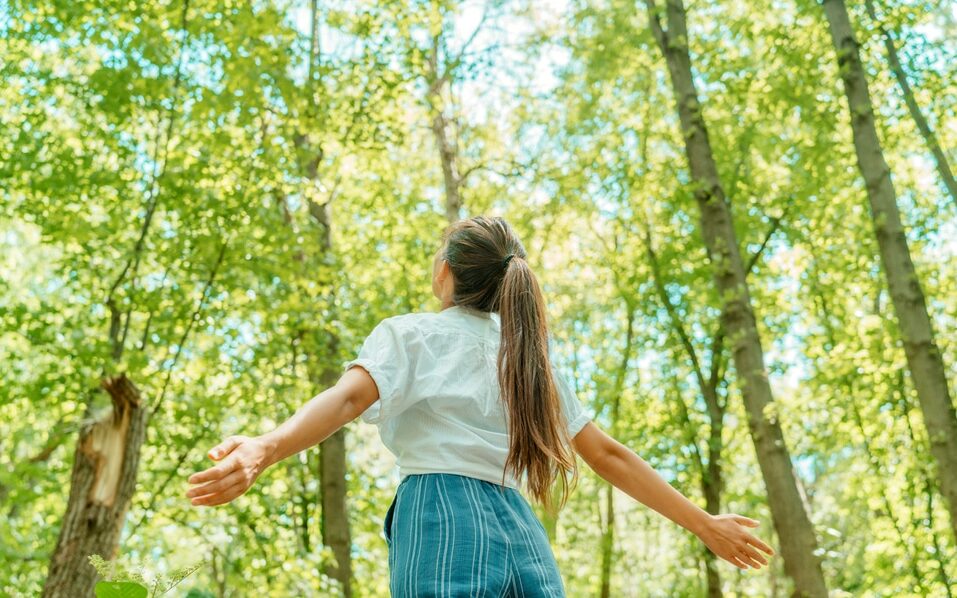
943, 166
104, 476
333, 466
450, 176
439, 75
710, 475
923, 356
334, 507
712, 482
608, 534
607, 541
791, 521
107, 452
334, 520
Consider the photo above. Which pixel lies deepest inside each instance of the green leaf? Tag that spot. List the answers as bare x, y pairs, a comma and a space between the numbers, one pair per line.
119, 589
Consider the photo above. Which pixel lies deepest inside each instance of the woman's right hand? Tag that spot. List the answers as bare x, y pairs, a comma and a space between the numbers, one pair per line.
243, 458
725, 536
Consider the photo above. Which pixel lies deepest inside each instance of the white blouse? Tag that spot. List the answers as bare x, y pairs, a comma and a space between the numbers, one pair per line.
439, 408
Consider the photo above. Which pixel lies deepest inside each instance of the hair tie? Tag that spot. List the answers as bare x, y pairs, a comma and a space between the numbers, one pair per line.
507, 259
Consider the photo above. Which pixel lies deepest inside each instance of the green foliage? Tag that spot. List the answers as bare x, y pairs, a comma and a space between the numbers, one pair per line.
228, 139
128, 580
119, 589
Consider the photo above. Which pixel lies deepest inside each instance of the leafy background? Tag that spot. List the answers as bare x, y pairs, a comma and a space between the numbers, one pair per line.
198, 122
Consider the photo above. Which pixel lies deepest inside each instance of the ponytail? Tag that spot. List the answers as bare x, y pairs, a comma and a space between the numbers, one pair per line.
538, 433
490, 274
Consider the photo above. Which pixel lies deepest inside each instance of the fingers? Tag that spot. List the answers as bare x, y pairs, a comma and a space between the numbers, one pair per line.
224, 448
746, 521
747, 561
751, 557
742, 561
759, 544
223, 497
756, 555
734, 560
214, 473
215, 485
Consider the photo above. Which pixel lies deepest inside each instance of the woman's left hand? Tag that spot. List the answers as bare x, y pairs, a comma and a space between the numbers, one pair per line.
726, 536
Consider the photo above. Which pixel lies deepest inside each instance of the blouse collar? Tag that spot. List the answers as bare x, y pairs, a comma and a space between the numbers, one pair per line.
470, 311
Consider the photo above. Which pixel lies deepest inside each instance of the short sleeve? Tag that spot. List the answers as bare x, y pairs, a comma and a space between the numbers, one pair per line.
575, 412
387, 356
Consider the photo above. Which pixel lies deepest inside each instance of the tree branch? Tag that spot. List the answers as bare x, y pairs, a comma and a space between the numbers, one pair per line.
189, 326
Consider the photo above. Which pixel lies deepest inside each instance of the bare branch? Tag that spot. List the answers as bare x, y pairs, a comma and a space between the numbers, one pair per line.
669, 306
189, 326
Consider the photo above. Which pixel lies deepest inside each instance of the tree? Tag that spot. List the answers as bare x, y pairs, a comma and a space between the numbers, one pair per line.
923, 355
795, 532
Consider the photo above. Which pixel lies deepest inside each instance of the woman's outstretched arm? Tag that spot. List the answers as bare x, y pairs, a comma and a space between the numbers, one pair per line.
624, 469
243, 458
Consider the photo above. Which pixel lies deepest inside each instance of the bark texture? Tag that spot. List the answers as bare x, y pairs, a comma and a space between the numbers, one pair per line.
438, 77
335, 509
101, 485
333, 467
608, 533
107, 452
710, 473
791, 521
924, 359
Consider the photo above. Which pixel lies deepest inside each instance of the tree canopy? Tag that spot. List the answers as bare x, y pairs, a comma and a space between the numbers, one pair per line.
742, 215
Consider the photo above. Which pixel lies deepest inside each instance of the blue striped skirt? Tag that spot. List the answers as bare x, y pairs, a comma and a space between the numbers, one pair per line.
451, 535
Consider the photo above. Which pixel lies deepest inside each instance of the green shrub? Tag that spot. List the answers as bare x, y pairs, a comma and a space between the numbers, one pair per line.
124, 581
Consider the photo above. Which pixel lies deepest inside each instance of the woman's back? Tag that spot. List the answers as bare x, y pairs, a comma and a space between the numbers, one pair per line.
439, 407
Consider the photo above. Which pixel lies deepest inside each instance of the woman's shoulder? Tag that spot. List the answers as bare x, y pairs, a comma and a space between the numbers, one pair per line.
405, 319
425, 324
411, 322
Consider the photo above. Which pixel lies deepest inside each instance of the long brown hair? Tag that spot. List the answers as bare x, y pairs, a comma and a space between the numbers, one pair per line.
490, 273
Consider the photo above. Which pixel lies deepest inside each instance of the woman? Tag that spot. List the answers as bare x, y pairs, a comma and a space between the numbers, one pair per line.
469, 402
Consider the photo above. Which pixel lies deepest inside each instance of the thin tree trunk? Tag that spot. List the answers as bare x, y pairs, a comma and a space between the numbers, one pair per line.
333, 467
710, 475
916, 522
943, 166
608, 533
711, 486
104, 476
448, 153
791, 521
923, 356
872, 458
334, 518
333, 487
607, 541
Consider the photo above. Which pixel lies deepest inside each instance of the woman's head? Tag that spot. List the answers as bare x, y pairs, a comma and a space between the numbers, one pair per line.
482, 265
471, 263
